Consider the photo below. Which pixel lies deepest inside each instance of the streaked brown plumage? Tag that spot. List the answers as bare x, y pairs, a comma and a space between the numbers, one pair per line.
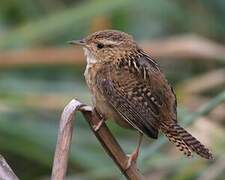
128, 87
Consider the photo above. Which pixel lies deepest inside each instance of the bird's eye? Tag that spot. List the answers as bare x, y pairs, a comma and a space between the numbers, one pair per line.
100, 45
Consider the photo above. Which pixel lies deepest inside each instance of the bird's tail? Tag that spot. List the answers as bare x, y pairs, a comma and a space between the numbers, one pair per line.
185, 141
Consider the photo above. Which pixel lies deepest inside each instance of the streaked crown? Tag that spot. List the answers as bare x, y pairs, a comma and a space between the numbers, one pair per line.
108, 45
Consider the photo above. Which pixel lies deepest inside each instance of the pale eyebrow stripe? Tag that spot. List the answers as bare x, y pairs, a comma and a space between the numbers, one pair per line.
109, 42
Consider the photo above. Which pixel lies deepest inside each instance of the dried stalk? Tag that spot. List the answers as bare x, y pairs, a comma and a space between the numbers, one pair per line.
103, 135
175, 47
6, 172
64, 140
203, 83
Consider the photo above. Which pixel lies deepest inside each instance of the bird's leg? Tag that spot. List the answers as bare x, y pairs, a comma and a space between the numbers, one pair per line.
102, 120
134, 155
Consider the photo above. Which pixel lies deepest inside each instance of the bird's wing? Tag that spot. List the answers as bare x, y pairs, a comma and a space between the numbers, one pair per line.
129, 88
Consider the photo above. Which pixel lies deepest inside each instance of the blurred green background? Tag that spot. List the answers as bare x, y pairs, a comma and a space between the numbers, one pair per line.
40, 74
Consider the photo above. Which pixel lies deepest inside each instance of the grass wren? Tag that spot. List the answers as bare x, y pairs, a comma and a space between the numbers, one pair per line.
127, 86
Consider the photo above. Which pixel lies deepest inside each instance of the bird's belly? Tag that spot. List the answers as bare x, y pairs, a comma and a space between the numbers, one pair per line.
104, 108
99, 102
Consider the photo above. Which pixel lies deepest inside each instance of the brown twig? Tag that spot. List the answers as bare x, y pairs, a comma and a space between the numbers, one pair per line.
64, 141
194, 91
6, 172
177, 47
103, 134
204, 82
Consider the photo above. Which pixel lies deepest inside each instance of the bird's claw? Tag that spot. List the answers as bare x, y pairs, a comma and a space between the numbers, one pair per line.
102, 120
98, 126
132, 158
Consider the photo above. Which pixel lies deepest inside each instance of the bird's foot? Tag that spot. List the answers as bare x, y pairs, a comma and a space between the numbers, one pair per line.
98, 126
100, 123
132, 158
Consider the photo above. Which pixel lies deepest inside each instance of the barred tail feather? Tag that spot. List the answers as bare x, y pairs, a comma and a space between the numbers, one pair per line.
185, 141
174, 137
193, 143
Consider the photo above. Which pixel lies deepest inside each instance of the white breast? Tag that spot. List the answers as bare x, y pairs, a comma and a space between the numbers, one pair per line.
89, 56
90, 62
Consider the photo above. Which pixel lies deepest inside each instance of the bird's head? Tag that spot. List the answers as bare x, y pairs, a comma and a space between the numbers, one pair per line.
106, 46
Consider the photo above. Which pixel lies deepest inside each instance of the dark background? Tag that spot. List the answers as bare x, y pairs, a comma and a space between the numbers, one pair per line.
40, 73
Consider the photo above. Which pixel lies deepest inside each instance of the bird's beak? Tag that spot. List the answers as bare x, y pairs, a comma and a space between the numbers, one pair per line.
78, 42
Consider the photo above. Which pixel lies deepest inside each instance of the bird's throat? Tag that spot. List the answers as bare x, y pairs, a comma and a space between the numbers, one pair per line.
89, 57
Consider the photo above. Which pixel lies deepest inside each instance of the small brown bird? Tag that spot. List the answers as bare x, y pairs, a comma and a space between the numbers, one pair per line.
128, 87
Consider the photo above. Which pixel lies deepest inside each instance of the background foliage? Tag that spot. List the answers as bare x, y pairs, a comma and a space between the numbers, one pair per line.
32, 96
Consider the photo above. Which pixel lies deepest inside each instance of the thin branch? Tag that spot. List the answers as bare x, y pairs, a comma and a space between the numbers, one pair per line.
194, 90
6, 172
64, 141
203, 83
104, 135
112, 147
175, 47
